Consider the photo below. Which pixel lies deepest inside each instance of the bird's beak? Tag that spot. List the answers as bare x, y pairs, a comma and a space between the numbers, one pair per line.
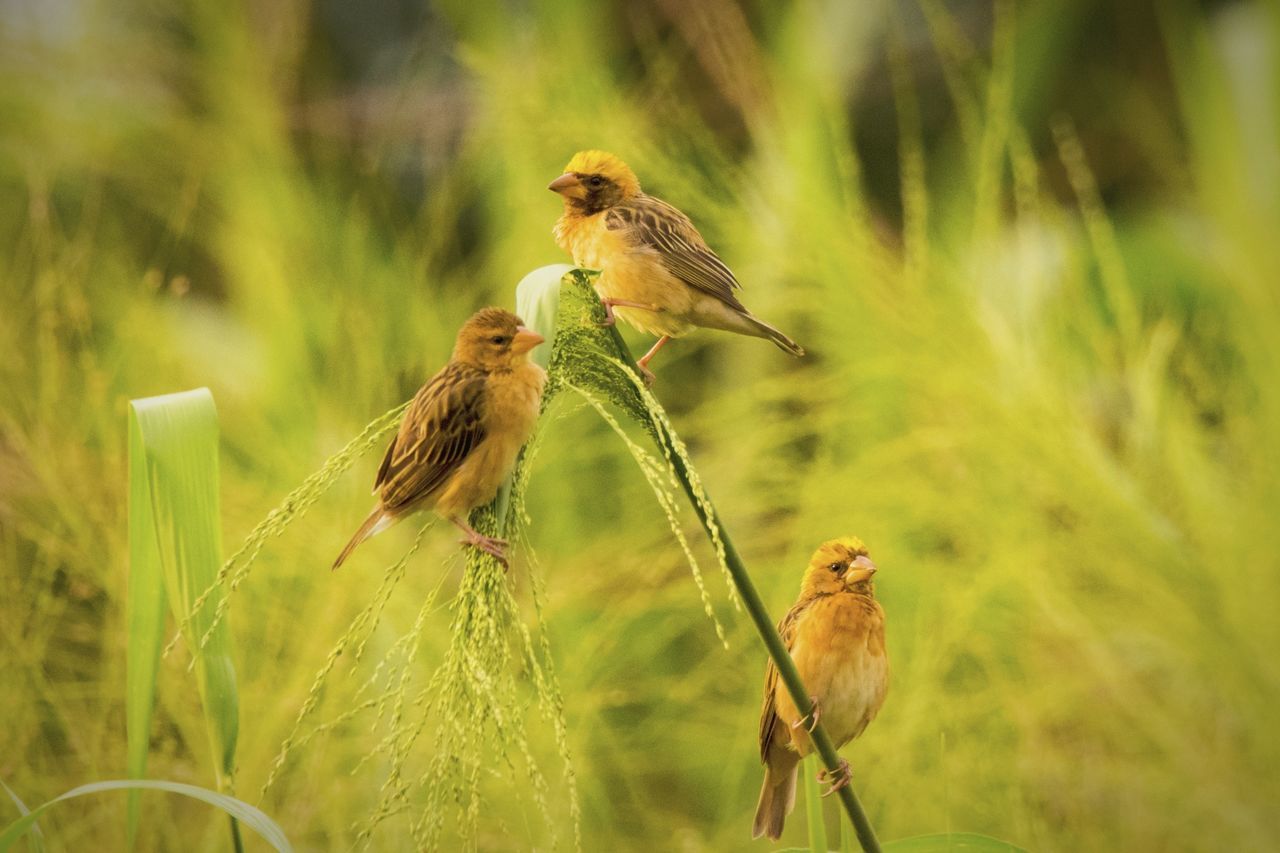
568, 185
525, 340
861, 569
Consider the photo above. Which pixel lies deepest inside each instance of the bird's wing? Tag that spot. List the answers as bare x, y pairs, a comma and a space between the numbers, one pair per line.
443, 425
769, 713
658, 225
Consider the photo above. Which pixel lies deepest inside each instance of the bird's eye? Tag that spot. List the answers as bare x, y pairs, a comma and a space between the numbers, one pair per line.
836, 567
595, 181
499, 339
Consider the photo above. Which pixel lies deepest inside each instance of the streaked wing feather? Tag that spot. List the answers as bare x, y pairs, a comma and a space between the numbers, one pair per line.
769, 713
441, 428
684, 253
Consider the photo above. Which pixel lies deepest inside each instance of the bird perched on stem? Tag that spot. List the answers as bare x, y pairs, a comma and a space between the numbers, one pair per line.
835, 634
460, 436
657, 272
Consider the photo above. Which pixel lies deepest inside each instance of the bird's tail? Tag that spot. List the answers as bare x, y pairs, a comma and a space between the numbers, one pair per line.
777, 798
766, 331
377, 521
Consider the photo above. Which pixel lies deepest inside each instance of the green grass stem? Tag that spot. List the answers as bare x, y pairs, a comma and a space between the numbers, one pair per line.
673, 449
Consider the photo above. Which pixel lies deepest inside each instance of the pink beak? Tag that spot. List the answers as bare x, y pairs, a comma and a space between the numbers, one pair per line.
860, 569
564, 182
525, 340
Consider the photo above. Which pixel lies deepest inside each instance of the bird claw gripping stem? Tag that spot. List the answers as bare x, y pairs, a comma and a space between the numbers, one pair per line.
492, 545
812, 717
838, 778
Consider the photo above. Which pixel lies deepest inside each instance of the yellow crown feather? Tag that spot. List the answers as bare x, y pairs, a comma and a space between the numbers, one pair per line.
606, 165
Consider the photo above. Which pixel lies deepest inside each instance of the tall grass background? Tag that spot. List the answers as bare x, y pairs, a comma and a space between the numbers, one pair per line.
1030, 247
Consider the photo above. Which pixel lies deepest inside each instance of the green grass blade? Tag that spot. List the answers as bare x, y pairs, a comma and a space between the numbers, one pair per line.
36, 841
847, 839
175, 545
813, 805
144, 617
237, 809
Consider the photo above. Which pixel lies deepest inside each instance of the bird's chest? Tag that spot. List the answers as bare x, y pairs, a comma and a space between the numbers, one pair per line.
839, 651
630, 271
513, 401
511, 412
587, 239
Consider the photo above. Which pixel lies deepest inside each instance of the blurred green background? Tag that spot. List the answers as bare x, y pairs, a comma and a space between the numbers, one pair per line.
1032, 248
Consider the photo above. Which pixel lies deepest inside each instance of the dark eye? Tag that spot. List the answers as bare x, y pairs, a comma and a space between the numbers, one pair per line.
836, 567
595, 181
499, 339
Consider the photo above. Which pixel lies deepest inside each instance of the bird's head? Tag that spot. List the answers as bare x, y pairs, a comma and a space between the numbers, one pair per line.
840, 565
595, 181
494, 339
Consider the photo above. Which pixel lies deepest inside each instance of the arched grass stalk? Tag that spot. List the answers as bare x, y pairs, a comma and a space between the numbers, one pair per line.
469, 710
587, 355
594, 362
473, 694
442, 735
237, 567
357, 634
238, 810
661, 481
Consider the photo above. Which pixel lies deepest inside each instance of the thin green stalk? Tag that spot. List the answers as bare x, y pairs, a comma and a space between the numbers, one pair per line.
237, 842
813, 807
585, 352
710, 519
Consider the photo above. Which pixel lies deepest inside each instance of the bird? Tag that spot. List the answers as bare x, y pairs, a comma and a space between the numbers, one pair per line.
835, 634
657, 272
460, 435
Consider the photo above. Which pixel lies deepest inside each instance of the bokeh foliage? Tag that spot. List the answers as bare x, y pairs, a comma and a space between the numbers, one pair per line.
1030, 247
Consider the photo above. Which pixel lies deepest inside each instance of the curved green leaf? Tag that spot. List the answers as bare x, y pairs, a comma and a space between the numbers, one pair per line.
37, 836
251, 817
175, 550
538, 304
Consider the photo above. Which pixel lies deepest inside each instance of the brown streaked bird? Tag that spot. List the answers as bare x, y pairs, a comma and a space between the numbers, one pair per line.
657, 272
835, 634
460, 436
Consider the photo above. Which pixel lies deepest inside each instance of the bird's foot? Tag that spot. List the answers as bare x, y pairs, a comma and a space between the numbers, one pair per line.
811, 717
610, 318
643, 363
492, 545
838, 778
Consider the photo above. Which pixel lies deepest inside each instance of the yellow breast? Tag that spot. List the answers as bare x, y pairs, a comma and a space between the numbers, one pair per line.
513, 400
839, 651
634, 273
587, 239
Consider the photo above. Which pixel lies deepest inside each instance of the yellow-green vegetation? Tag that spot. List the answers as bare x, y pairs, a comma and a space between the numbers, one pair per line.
1030, 250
